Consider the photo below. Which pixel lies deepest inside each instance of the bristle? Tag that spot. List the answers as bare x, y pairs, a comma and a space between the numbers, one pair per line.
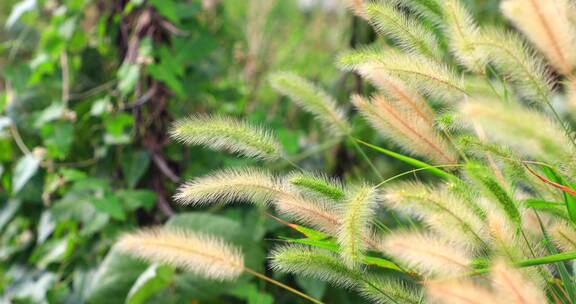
314, 263
203, 255
442, 211
564, 235
430, 10
225, 133
528, 132
389, 291
312, 99
462, 32
505, 238
314, 212
398, 91
512, 287
547, 25
358, 7
426, 253
513, 58
408, 33
317, 184
405, 128
228, 186
459, 292
421, 74
356, 219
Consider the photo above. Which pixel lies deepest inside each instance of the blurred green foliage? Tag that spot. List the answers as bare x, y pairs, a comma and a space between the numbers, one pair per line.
88, 89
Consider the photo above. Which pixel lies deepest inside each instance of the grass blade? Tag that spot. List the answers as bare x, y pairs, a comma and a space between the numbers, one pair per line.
411, 161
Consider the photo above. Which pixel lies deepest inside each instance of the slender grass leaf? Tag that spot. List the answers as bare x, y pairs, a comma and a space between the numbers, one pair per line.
411, 161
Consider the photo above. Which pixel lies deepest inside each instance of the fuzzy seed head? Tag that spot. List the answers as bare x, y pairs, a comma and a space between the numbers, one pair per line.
204, 255
426, 253
419, 73
356, 215
317, 184
445, 213
229, 186
512, 287
312, 262
312, 99
405, 127
227, 134
528, 132
459, 292
564, 235
408, 33
314, 212
547, 25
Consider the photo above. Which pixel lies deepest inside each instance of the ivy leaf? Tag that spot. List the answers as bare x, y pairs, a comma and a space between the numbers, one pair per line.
110, 204
118, 128
58, 138
251, 294
151, 281
134, 199
115, 277
128, 75
18, 10
26, 167
134, 165
167, 9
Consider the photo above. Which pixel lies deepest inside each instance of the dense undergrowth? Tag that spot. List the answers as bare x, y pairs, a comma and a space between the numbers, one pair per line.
479, 108
436, 167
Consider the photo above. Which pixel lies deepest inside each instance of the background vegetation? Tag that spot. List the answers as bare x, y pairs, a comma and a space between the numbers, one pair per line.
89, 89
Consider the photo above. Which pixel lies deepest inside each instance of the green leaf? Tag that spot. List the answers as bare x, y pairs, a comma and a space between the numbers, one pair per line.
151, 281
18, 10
53, 112
100, 106
232, 231
569, 200
167, 9
411, 161
57, 138
333, 246
25, 168
115, 277
128, 75
46, 226
53, 251
134, 165
163, 73
8, 211
555, 208
134, 199
110, 204
252, 294
310, 233
118, 128
72, 175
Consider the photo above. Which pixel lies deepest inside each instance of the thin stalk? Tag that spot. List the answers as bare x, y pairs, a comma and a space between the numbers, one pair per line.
353, 140
306, 153
282, 285
553, 258
559, 119
414, 171
18, 139
293, 164
379, 290
409, 160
